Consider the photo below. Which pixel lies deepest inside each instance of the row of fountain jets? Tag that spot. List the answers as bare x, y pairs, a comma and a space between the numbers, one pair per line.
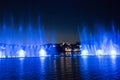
20, 52
9, 35
37, 51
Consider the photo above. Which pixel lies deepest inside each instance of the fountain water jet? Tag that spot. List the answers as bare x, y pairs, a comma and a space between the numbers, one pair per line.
42, 52
22, 39
101, 43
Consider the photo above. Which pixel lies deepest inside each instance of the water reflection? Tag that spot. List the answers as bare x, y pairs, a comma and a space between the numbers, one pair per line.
21, 67
84, 65
60, 68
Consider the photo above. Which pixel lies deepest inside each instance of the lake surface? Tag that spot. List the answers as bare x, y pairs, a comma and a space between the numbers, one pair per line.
61, 68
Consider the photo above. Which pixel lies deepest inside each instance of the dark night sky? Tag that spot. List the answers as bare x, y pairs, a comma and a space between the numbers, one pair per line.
63, 16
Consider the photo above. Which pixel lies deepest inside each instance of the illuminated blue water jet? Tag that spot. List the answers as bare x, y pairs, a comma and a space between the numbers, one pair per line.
101, 42
23, 40
21, 53
42, 52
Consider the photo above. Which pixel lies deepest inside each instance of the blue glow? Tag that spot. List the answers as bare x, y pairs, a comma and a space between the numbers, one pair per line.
100, 42
30, 40
21, 53
54, 46
42, 58
113, 52
99, 52
21, 58
2, 55
24, 42
42, 52
85, 52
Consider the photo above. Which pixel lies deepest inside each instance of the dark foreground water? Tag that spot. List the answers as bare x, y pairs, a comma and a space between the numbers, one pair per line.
61, 68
